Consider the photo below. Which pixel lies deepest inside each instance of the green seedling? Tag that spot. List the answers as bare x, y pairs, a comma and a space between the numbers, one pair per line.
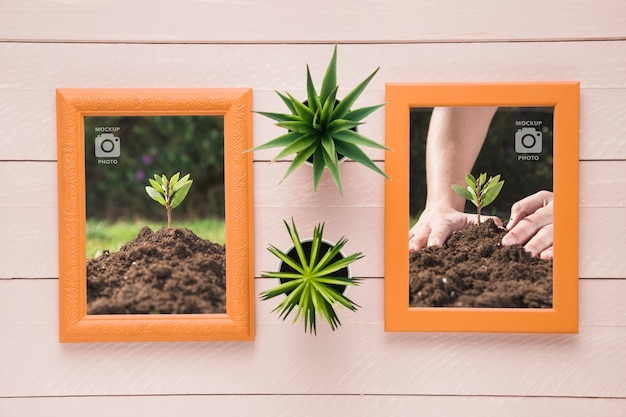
480, 191
310, 284
322, 127
169, 192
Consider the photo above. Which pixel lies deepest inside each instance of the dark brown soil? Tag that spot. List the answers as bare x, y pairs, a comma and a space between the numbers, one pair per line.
472, 269
168, 271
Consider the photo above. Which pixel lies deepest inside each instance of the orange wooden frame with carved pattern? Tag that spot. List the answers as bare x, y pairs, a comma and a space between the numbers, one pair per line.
563, 316
75, 325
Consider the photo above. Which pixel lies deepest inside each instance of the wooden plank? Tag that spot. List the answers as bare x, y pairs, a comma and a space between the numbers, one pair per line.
601, 129
322, 21
33, 302
312, 406
29, 242
357, 359
601, 242
602, 184
283, 66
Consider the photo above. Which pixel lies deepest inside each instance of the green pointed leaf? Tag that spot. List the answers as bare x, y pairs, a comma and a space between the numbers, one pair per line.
339, 264
332, 164
300, 158
470, 181
181, 183
316, 244
174, 180
357, 139
155, 195
329, 81
346, 103
180, 195
482, 179
285, 259
278, 142
329, 255
302, 143
329, 147
156, 185
297, 243
158, 179
279, 290
300, 127
330, 280
328, 106
318, 167
356, 154
279, 117
305, 113
492, 193
287, 102
340, 125
462, 191
360, 114
312, 97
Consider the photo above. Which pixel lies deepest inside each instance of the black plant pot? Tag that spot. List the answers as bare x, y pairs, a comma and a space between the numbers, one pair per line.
324, 247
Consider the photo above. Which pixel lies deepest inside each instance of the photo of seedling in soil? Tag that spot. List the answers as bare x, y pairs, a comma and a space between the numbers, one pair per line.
155, 229
474, 241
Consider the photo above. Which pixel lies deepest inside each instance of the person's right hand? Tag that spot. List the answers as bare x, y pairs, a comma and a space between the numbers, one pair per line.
436, 225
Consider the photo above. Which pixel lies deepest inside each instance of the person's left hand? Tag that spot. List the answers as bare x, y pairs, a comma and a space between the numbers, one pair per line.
531, 225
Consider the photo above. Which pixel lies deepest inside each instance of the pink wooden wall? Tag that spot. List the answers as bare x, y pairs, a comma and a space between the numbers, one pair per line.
359, 370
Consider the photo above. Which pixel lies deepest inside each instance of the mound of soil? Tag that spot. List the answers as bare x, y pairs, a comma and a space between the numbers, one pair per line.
169, 271
473, 269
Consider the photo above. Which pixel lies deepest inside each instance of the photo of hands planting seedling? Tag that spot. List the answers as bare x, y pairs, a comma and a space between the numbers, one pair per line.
481, 244
155, 238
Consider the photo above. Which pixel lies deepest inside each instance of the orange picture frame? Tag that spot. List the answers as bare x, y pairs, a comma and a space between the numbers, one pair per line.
234, 104
563, 316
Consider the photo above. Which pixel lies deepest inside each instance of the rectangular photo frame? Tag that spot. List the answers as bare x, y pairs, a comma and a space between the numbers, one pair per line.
559, 317
233, 105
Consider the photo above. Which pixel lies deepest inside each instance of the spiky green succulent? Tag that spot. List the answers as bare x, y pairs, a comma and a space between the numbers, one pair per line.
311, 281
322, 127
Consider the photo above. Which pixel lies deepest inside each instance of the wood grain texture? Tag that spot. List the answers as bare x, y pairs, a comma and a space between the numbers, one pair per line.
313, 406
265, 45
28, 117
283, 66
358, 359
225, 21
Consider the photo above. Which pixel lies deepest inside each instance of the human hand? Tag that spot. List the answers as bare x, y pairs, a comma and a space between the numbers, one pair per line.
531, 225
434, 227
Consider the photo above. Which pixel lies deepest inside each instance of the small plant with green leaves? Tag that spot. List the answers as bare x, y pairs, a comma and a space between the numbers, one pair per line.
322, 127
480, 191
169, 192
311, 283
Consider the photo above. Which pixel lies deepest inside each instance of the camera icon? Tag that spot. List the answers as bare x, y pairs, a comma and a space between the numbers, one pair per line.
107, 146
528, 140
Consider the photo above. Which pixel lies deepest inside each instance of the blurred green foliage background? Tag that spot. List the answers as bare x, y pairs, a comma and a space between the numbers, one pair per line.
155, 145
497, 156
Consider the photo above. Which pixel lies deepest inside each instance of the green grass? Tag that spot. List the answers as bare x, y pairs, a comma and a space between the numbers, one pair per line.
102, 235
